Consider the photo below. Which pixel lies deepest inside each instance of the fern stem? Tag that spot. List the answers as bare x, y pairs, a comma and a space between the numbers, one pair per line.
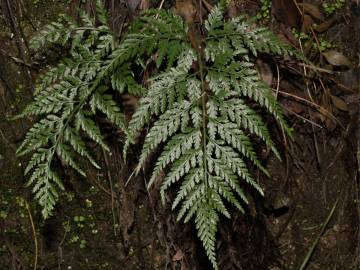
204, 99
220, 36
195, 41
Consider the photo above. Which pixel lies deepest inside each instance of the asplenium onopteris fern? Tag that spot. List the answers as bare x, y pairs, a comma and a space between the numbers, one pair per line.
196, 103
202, 119
68, 97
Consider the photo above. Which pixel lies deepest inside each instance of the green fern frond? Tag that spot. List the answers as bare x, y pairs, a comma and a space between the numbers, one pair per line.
52, 33
122, 80
167, 125
74, 138
65, 153
174, 148
45, 183
206, 221
39, 135
215, 19
247, 118
204, 122
101, 13
91, 129
163, 92
64, 95
237, 138
54, 97
110, 108
197, 106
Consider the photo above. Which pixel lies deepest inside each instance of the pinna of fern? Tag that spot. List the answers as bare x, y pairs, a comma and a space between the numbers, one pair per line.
204, 123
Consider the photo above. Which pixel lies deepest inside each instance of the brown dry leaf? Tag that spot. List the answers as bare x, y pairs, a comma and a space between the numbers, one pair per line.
339, 103
336, 58
185, 9
312, 10
178, 255
325, 25
307, 23
286, 12
324, 114
296, 107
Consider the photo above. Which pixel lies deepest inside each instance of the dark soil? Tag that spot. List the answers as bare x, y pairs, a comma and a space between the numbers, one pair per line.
111, 221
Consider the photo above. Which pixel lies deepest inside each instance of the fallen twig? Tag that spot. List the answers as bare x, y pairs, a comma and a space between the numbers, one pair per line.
313, 246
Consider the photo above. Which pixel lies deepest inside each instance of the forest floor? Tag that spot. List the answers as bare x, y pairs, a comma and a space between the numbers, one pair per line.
109, 221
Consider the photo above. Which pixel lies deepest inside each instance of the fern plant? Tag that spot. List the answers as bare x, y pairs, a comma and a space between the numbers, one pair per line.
68, 96
201, 118
197, 104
